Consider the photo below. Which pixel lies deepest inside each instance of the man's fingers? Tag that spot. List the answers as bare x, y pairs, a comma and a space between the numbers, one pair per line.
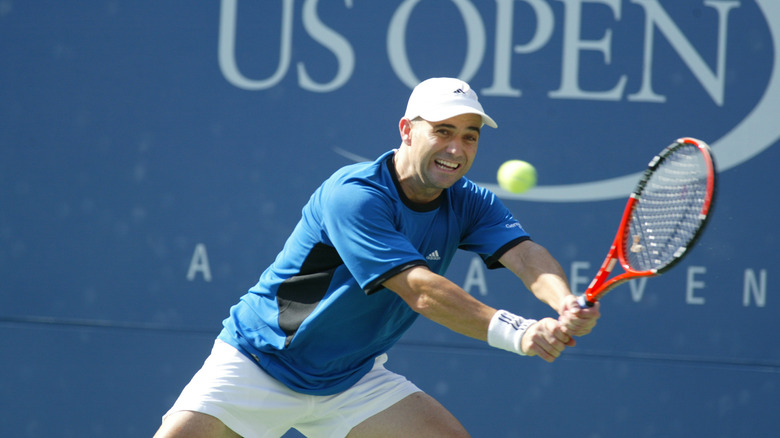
577, 327
544, 350
580, 321
559, 334
548, 340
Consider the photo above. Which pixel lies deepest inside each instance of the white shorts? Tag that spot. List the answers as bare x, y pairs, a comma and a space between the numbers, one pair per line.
246, 399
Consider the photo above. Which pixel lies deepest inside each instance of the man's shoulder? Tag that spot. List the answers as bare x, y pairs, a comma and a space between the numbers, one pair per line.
467, 190
353, 177
357, 186
366, 168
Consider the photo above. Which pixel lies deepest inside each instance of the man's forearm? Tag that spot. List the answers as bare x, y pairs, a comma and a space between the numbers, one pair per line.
442, 301
539, 271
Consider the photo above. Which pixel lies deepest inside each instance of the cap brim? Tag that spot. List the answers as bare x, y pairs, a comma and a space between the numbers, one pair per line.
436, 115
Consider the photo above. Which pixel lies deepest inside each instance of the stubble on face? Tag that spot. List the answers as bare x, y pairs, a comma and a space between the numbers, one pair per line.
438, 154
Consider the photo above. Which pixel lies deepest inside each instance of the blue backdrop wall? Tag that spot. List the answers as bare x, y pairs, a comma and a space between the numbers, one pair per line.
155, 155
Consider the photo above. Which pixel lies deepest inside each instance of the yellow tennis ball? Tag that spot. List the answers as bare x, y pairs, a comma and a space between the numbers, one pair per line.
516, 176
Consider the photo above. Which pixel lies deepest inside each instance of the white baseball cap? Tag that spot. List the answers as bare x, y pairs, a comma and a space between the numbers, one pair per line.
439, 99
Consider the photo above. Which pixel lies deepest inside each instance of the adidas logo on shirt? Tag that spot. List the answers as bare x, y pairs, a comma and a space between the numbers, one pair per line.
433, 256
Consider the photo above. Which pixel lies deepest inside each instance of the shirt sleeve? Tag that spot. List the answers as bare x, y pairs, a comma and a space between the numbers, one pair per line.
359, 221
491, 230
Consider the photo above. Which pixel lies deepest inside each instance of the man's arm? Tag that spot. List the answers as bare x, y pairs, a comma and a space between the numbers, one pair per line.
543, 276
444, 302
540, 273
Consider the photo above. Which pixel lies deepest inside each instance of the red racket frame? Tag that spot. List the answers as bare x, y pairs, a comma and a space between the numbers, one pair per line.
600, 285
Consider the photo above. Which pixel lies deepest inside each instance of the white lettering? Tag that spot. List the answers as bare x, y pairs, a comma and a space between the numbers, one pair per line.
637, 288
693, 284
396, 41
575, 279
199, 263
504, 30
573, 45
754, 288
475, 276
333, 41
656, 17
227, 48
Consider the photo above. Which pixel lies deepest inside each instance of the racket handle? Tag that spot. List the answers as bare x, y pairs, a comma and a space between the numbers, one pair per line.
583, 302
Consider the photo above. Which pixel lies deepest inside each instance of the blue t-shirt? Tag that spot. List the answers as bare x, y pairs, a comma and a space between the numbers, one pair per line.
319, 315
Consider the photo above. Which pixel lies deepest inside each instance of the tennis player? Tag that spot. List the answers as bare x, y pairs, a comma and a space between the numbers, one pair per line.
305, 348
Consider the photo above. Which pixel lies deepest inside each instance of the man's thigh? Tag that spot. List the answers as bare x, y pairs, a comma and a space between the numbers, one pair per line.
417, 415
233, 390
188, 424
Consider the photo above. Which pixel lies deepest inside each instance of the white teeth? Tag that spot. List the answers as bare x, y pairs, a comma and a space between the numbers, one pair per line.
449, 164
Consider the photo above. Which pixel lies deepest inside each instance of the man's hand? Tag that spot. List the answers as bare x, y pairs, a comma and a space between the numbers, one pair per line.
546, 339
577, 321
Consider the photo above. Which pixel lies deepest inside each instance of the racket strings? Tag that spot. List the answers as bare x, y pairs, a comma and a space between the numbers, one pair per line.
669, 211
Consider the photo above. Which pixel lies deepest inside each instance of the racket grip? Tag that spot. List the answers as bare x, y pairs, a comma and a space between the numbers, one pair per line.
583, 302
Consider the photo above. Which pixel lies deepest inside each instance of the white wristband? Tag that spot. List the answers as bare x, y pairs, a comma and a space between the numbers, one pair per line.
506, 330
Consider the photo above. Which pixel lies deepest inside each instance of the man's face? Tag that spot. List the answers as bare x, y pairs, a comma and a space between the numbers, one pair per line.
442, 152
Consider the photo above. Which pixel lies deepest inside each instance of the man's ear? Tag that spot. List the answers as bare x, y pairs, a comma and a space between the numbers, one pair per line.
405, 129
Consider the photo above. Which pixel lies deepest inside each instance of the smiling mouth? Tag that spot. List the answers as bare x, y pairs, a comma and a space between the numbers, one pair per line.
446, 165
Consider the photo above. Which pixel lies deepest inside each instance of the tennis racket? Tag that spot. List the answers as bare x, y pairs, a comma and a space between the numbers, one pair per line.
664, 216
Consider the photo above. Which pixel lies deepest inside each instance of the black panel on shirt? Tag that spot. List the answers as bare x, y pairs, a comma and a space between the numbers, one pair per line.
298, 296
